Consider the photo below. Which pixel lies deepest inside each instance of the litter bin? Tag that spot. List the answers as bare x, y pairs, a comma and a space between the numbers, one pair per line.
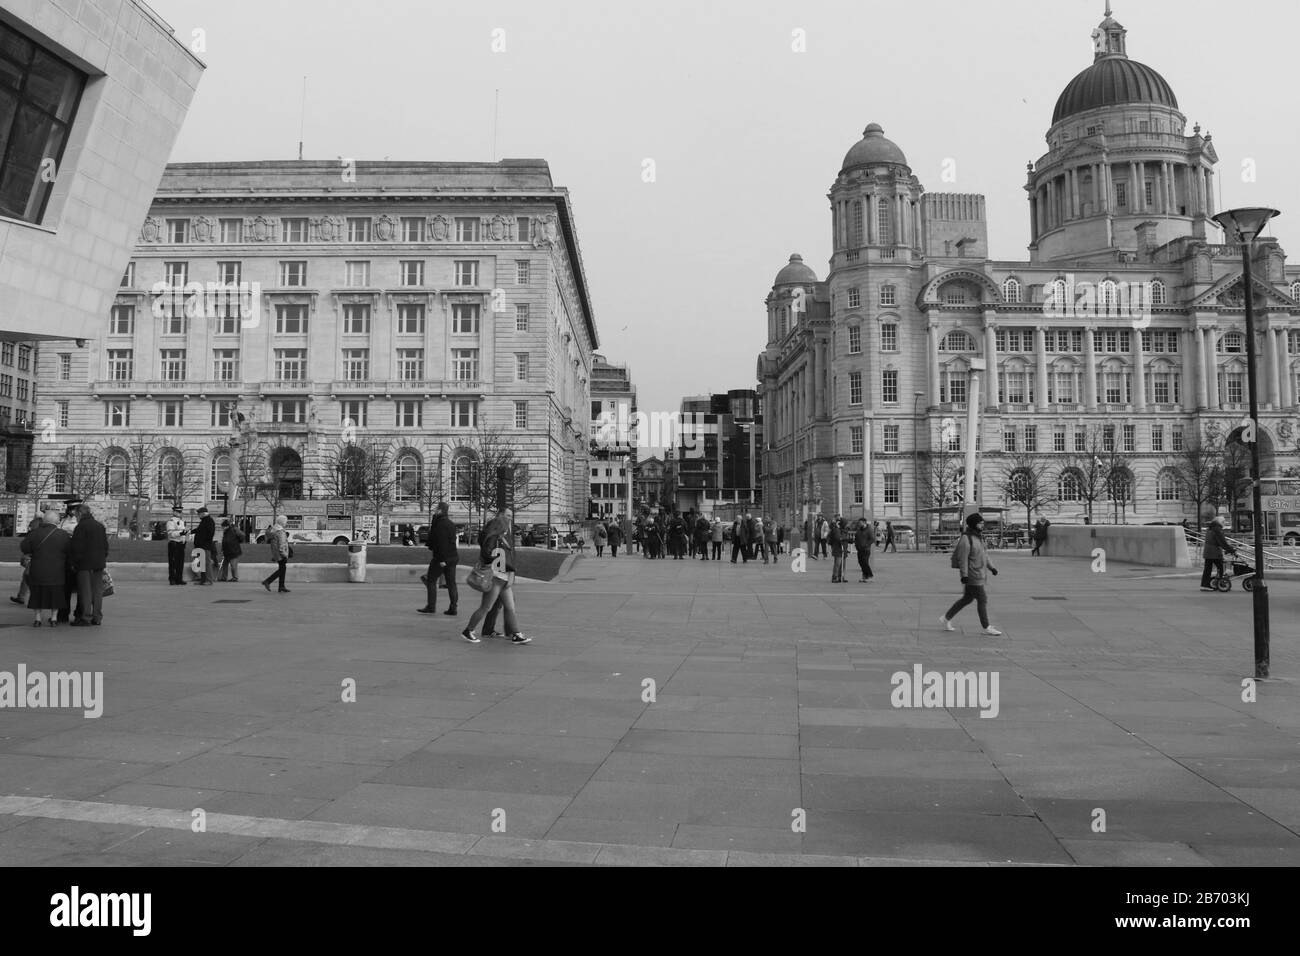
357, 562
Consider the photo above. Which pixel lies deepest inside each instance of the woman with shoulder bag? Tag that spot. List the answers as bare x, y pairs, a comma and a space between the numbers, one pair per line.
48, 547
496, 535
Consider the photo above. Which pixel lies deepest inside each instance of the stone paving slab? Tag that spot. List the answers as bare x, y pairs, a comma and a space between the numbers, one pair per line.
773, 696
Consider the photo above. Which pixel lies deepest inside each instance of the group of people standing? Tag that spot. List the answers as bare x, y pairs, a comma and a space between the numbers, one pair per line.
57, 565
221, 555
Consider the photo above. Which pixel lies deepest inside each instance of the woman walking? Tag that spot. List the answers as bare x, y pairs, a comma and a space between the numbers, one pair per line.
279, 543
48, 546
25, 586
599, 538
497, 536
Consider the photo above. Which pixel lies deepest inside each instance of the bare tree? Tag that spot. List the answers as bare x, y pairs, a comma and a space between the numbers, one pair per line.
1026, 480
342, 474
141, 455
1088, 466
1197, 469
1119, 481
83, 471
492, 450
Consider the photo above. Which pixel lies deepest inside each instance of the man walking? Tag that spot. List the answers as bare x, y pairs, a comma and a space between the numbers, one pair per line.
89, 554
862, 544
889, 538
971, 558
837, 551
231, 549
1216, 544
205, 538
176, 547
615, 538
442, 564
278, 541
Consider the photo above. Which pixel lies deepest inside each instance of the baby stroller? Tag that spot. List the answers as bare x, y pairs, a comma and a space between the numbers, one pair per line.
1239, 570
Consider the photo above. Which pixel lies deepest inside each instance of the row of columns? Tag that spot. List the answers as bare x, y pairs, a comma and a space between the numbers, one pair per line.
904, 221
1061, 198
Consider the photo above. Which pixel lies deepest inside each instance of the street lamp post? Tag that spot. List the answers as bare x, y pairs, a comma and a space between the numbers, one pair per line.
1245, 225
839, 488
916, 477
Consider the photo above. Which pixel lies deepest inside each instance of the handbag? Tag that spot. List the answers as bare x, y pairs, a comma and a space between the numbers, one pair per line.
480, 577
108, 584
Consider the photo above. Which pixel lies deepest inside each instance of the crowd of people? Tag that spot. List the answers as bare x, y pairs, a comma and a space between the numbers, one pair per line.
58, 565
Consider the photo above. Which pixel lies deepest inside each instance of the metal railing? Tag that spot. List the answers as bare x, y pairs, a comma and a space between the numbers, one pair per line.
1276, 555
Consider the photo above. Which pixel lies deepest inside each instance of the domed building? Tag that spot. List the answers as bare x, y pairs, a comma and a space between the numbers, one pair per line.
1102, 361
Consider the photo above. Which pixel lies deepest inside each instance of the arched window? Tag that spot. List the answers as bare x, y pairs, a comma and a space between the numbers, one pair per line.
352, 473
1056, 293
957, 341
1107, 297
171, 476
1011, 290
1166, 486
408, 477
955, 293
220, 475
285, 468
1119, 485
1067, 488
462, 477
1157, 292
1232, 342
116, 472
1295, 290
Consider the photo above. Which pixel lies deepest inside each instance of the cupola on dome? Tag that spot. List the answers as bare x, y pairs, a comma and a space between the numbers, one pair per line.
1113, 79
795, 272
873, 150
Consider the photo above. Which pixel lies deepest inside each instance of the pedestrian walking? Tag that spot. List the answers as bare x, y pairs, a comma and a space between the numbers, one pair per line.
24, 586
48, 546
769, 537
88, 551
176, 535
780, 538
760, 540
231, 549
837, 551
1216, 545
862, 541
715, 537
278, 540
1040, 535
738, 541
444, 557
205, 539
889, 538
703, 534
970, 557
599, 537
615, 538
497, 535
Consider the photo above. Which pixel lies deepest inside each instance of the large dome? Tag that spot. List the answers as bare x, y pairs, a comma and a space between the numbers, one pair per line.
795, 273
873, 150
1113, 81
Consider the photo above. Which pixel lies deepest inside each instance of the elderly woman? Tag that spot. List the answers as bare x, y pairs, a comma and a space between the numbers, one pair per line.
25, 587
47, 574
497, 535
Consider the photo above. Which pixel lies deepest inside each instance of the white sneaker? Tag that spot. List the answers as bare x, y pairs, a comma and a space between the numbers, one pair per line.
991, 631
947, 624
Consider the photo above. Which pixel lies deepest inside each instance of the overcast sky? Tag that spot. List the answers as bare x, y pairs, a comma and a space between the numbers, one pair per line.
746, 135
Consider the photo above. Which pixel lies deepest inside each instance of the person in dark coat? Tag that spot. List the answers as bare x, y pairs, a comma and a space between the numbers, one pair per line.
442, 563
205, 539
497, 535
48, 545
615, 538
837, 552
25, 586
231, 549
88, 549
862, 541
1216, 545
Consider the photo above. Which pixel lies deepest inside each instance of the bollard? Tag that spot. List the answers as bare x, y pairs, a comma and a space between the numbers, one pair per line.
357, 562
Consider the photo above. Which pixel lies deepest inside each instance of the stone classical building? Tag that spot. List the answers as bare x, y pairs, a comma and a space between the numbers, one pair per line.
1118, 342
613, 449
276, 316
92, 96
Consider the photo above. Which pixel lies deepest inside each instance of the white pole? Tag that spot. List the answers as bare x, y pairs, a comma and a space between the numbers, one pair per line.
839, 487
972, 430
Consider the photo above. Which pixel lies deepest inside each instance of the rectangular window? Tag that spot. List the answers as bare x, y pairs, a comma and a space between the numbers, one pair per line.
25, 355
891, 438
1080, 439
177, 274
855, 439
410, 414
171, 365
521, 271
291, 365
229, 273
122, 320
893, 489
356, 319
291, 320
887, 296
7, 386
1058, 438
467, 229
22, 389
39, 94
353, 412
289, 412
221, 414
171, 414
521, 228
410, 364
857, 488
62, 413
464, 414
413, 229
855, 298
121, 365
225, 365
521, 366
178, 230
128, 277
1108, 438
293, 230
293, 275
1009, 440
358, 229
1121, 194
954, 439
1176, 437
521, 318
956, 390
855, 340
232, 230
410, 319
467, 273
1031, 438
464, 365
117, 414
1157, 437
1235, 383
855, 388
1160, 389
356, 364
464, 319
889, 337
1149, 194
227, 313
1129, 438
889, 387
356, 275
521, 414
412, 272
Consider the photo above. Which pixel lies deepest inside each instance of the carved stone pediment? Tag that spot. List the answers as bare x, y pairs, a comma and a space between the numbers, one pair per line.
385, 228
439, 228
259, 229
151, 229
328, 228
203, 229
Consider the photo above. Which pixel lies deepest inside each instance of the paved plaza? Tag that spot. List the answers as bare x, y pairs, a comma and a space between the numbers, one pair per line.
771, 737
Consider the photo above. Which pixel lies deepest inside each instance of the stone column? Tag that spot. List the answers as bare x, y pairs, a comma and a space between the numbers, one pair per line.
1074, 192
1090, 370
1284, 371
1033, 218
990, 361
869, 225
1040, 346
819, 387
1139, 374
932, 344
1209, 192
809, 377
1191, 376
1270, 369
1211, 371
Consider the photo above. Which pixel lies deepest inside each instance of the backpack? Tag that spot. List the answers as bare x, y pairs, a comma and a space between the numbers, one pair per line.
955, 561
